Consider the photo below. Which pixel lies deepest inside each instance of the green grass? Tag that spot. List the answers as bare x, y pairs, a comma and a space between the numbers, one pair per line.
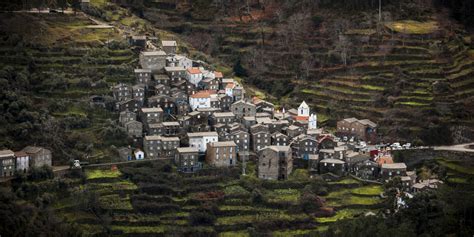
460, 167
370, 190
242, 233
412, 103
235, 190
99, 173
341, 214
114, 201
284, 195
140, 229
413, 27
346, 181
374, 88
268, 216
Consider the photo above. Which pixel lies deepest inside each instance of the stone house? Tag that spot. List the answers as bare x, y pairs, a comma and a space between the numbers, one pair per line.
225, 82
216, 102
275, 162
122, 92
243, 109
388, 171
138, 92
226, 102
127, 116
186, 159
280, 139
162, 89
201, 139
304, 146
365, 129
294, 131
160, 147
242, 140
128, 105
22, 161
138, 41
161, 79
7, 163
151, 115
169, 46
167, 103
249, 122
143, 76
124, 153
221, 154
39, 156
182, 108
222, 117
179, 95
326, 142
153, 60
175, 72
367, 170
260, 140
171, 129
238, 93
209, 84
326, 154
134, 129
334, 166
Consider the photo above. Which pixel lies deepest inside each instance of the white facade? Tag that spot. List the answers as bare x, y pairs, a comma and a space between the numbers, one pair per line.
199, 102
313, 122
194, 75
139, 155
200, 139
22, 163
303, 110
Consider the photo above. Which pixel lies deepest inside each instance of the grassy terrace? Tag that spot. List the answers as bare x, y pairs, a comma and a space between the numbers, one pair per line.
143, 204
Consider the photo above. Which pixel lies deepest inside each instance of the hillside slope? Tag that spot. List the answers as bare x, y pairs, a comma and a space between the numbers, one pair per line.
343, 62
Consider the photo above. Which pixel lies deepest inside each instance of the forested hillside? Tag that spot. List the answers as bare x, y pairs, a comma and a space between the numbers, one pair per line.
411, 60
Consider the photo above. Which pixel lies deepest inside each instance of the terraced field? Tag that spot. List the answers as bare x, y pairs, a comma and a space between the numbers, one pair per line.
68, 62
153, 199
392, 75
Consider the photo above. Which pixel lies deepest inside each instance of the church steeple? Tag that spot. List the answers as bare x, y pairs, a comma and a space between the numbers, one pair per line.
303, 110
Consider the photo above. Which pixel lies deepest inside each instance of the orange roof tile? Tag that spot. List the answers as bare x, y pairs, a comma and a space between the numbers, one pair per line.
203, 94
194, 70
301, 118
385, 160
218, 74
230, 85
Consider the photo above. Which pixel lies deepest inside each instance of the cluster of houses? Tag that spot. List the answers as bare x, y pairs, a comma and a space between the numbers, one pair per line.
20, 161
179, 109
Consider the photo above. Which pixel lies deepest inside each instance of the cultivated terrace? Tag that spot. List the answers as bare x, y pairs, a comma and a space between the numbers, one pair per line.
236, 118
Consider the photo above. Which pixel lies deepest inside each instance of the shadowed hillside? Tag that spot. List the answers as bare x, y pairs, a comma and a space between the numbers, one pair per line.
413, 63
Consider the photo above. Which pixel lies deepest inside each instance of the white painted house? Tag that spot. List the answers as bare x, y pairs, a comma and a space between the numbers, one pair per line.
229, 89
201, 139
201, 99
313, 122
303, 110
139, 154
194, 75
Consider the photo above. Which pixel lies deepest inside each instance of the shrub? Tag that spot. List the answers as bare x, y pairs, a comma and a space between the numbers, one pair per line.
202, 218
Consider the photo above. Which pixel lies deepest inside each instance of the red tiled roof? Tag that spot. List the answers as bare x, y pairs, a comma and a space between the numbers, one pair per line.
194, 70
385, 160
218, 74
230, 85
203, 94
301, 118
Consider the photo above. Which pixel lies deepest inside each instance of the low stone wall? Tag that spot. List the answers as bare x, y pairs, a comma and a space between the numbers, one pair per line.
413, 157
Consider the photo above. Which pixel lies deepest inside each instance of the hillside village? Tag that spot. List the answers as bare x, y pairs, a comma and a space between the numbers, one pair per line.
181, 110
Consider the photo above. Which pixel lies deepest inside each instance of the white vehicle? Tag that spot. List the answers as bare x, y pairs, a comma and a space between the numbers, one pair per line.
396, 146
407, 145
362, 144
344, 138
